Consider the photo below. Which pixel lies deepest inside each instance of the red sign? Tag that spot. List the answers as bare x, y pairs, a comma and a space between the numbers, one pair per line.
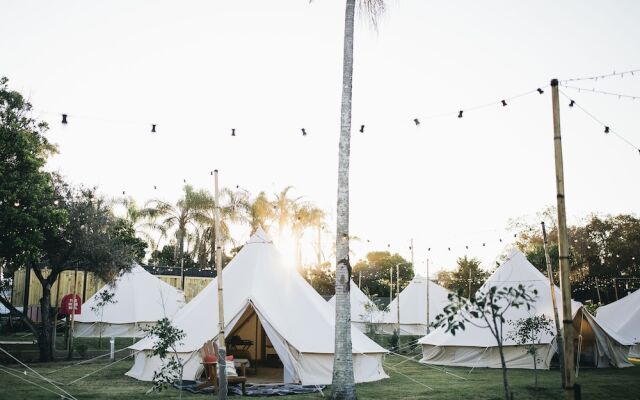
69, 306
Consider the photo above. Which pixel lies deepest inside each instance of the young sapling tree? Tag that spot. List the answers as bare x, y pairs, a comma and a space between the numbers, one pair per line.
486, 309
527, 332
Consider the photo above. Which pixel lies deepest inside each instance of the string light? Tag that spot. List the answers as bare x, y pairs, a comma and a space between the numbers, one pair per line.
595, 78
416, 121
504, 103
153, 128
361, 128
233, 131
572, 103
607, 129
460, 114
64, 119
593, 90
304, 133
539, 90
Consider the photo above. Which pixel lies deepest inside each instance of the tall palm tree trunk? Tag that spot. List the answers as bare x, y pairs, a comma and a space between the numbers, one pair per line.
343, 385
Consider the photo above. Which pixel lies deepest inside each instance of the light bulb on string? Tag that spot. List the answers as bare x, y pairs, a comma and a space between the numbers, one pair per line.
233, 131
304, 132
606, 129
64, 119
540, 91
572, 103
153, 128
361, 128
504, 103
416, 121
460, 114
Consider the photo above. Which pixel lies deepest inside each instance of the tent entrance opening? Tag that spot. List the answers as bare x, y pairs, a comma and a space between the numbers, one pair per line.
248, 340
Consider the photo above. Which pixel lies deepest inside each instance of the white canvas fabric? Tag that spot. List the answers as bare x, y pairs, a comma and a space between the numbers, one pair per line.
360, 316
623, 316
297, 320
476, 346
413, 307
140, 299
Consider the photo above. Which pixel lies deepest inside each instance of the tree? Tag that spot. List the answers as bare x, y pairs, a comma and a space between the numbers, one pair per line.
284, 209
167, 337
373, 272
305, 216
104, 298
486, 309
234, 209
184, 214
90, 238
601, 247
28, 202
260, 212
168, 257
527, 331
139, 219
321, 277
343, 386
44, 224
468, 275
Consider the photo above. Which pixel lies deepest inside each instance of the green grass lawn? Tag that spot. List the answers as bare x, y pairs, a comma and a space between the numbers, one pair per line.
408, 380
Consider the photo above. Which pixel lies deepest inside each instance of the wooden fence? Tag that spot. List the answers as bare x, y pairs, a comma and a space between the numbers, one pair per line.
86, 288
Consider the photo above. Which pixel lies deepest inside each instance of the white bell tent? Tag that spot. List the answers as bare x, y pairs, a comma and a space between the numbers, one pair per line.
139, 300
623, 316
275, 312
364, 312
476, 347
413, 307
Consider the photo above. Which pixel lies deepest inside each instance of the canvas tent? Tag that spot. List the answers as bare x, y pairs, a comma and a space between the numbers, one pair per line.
139, 299
364, 312
274, 308
623, 316
476, 347
413, 307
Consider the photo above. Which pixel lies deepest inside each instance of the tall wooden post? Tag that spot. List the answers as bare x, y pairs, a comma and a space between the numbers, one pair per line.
598, 291
559, 340
390, 285
73, 313
222, 352
428, 316
563, 250
398, 296
615, 287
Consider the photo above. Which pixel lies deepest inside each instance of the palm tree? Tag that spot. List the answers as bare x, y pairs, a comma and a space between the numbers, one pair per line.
284, 209
234, 209
260, 212
304, 216
183, 215
343, 385
139, 219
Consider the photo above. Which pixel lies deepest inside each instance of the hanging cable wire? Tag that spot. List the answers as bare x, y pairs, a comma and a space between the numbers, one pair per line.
619, 95
596, 77
607, 128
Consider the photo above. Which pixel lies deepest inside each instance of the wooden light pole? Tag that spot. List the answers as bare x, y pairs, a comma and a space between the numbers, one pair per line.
563, 250
222, 351
559, 341
428, 320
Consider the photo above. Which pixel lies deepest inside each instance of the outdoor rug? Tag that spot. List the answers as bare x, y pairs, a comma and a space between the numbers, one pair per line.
252, 390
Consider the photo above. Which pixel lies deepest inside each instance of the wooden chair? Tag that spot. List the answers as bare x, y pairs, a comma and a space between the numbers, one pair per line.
210, 348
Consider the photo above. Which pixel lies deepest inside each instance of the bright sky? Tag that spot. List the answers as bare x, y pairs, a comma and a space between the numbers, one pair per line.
268, 69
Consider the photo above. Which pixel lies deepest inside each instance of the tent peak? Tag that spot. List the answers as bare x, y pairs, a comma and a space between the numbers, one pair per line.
260, 236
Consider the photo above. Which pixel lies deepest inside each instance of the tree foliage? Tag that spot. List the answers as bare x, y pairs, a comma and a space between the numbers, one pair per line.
467, 275
374, 272
602, 247
486, 310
